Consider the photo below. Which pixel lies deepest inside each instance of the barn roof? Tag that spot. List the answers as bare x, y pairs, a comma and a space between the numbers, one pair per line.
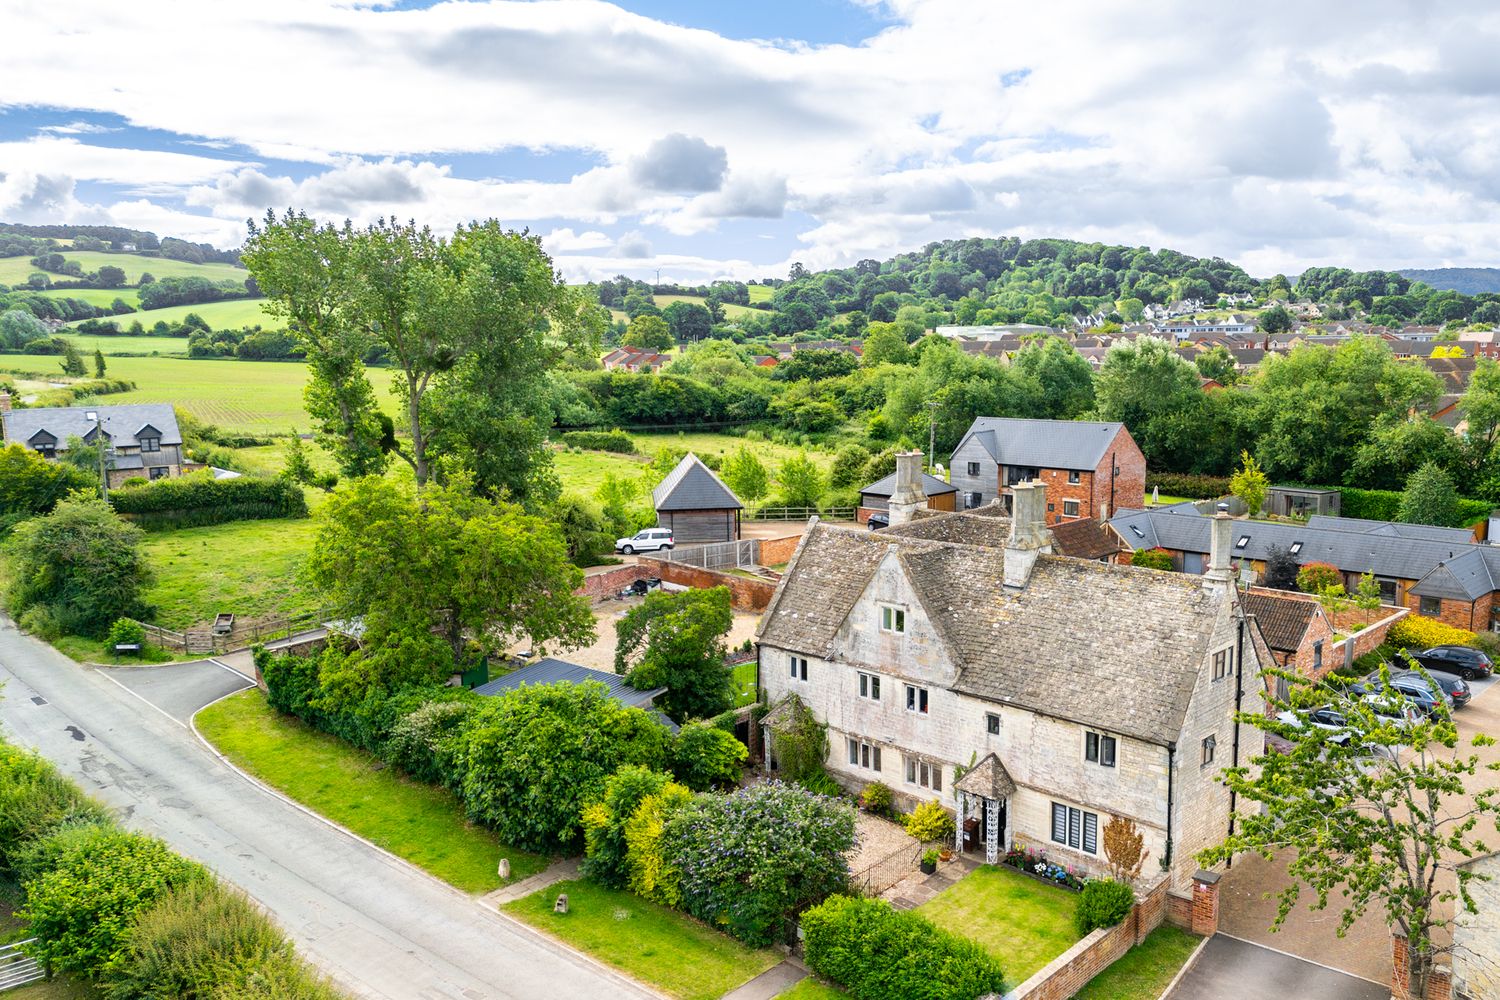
693, 486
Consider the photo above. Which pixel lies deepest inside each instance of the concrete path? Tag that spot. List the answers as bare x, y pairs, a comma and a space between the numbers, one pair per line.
772, 983
560, 871
378, 926
1231, 969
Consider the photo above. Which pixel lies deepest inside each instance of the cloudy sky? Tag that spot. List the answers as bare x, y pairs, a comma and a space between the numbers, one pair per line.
709, 139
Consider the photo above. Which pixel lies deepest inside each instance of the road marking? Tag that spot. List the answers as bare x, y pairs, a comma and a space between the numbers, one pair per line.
1330, 968
141, 699
238, 673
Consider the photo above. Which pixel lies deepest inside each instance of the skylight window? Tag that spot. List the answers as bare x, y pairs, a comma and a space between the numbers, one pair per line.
1244, 540
1138, 532
1296, 547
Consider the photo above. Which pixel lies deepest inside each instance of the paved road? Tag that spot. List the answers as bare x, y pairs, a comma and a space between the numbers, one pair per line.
379, 927
1231, 969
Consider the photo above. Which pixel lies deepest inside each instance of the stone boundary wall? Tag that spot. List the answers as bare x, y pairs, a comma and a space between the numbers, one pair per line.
1069, 972
745, 593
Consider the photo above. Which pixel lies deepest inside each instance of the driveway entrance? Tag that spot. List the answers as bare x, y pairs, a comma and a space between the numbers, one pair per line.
1231, 969
179, 689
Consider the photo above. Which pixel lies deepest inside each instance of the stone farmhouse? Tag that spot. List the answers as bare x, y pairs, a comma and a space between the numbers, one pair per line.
144, 440
1089, 469
1438, 572
956, 658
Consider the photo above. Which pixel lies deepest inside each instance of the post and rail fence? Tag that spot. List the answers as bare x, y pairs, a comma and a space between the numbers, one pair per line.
207, 641
800, 513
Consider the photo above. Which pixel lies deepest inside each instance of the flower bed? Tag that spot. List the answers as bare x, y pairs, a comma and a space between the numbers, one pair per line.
1036, 865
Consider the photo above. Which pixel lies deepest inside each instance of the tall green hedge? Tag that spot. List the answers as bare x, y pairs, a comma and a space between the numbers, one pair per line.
875, 952
1372, 505
1183, 485
199, 499
616, 441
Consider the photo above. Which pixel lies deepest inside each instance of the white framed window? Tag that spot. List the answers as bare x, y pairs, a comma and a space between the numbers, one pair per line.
862, 754
869, 686
924, 774
1075, 828
799, 668
1099, 748
1223, 664
1070, 508
992, 723
892, 619
1208, 750
916, 699
1074, 477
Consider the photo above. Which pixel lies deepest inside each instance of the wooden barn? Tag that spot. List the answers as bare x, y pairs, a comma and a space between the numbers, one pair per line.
696, 505
877, 496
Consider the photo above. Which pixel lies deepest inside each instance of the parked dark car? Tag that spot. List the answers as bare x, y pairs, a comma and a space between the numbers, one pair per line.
1464, 661
878, 521
1456, 688
1414, 687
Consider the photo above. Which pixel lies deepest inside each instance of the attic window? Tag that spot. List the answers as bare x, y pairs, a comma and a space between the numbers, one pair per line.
1296, 547
1244, 540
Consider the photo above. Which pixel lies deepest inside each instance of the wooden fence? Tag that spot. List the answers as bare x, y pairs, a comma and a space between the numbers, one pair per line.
203, 640
800, 513
717, 555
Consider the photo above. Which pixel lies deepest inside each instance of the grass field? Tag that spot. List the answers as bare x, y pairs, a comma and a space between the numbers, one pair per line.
422, 823
673, 952
98, 297
731, 309
584, 472
260, 397
130, 345
1020, 921
15, 270
726, 444
231, 314
761, 293
1145, 970
247, 567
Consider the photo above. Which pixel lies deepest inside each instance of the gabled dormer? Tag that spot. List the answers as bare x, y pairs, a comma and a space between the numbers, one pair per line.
889, 628
149, 438
44, 442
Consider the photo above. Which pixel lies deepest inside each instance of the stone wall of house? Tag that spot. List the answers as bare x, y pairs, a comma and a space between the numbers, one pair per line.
745, 594
1476, 937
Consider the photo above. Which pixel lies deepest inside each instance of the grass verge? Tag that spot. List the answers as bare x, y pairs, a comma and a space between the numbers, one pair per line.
1020, 921
421, 823
656, 945
1145, 970
812, 989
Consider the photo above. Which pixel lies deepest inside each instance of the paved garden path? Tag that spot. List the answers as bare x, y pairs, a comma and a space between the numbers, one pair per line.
558, 871
772, 983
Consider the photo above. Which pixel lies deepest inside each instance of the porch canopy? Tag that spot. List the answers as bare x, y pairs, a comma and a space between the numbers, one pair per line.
992, 784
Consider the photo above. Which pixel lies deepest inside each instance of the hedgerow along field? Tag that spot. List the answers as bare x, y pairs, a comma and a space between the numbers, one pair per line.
228, 314
128, 345
104, 297
15, 270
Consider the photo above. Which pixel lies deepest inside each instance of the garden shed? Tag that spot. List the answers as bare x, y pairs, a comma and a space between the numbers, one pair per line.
696, 505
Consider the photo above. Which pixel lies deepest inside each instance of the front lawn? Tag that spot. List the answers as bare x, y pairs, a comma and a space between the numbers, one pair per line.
667, 949
1145, 970
245, 567
422, 823
743, 676
1022, 922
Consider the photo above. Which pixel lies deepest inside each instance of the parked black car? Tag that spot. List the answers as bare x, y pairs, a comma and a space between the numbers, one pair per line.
1464, 661
878, 520
1455, 687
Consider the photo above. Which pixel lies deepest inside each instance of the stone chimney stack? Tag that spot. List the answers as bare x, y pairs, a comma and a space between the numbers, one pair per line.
4, 401
1221, 530
909, 496
1029, 536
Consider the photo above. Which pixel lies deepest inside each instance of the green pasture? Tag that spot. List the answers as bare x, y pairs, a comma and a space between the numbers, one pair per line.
229, 314
103, 297
129, 345
15, 270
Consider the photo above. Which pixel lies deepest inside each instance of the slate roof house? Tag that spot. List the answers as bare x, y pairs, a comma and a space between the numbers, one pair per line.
1439, 572
144, 440
1090, 469
696, 504
1068, 691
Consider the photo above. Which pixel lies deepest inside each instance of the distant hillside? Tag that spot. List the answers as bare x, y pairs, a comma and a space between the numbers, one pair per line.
1468, 280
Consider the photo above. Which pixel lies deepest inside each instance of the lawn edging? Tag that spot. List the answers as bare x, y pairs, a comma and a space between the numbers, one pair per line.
1186, 966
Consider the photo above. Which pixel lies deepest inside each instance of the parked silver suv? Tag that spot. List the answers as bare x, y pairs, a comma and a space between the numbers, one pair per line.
649, 540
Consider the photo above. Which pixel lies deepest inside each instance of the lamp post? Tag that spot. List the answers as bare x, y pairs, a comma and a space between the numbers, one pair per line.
103, 446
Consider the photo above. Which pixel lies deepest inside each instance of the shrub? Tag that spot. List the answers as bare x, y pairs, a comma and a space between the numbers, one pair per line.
1151, 558
605, 848
752, 860
82, 563
651, 875
875, 952
616, 441
876, 798
36, 801
101, 878
1487, 643
30, 485
1417, 632
125, 632
424, 742
200, 499
929, 822
1103, 903
1316, 577
1188, 486
704, 757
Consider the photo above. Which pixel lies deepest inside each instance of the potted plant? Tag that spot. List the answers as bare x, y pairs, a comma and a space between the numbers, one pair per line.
945, 855
929, 861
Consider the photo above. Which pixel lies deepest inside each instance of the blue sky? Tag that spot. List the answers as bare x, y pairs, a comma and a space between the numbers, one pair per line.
728, 139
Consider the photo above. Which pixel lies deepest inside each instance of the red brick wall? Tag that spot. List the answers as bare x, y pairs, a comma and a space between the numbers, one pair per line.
611, 581
775, 551
1460, 614
1439, 981
745, 594
1130, 484
1059, 490
1180, 911
1065, 975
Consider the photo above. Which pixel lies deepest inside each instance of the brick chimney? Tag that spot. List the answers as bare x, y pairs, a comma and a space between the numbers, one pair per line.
1221, 531
4, 401
909, 496
1029, 536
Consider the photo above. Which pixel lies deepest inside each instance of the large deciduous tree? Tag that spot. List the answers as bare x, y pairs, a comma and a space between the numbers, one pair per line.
428, 578
676, 641
1379, 813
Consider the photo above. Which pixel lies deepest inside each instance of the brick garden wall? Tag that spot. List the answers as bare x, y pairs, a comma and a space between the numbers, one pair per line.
1069, 972
775, 551
745, 594
611, 581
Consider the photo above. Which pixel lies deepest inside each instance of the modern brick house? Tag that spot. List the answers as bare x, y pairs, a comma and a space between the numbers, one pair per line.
1437, 572
144, 440
696, 504
634, 359
1089, 469
1068, 691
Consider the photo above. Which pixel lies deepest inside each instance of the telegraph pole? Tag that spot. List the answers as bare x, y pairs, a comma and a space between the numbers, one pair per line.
931, 432
99, 440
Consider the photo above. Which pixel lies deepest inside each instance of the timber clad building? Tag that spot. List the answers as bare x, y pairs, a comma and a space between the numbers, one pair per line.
957, 659
1089, 469
696, 505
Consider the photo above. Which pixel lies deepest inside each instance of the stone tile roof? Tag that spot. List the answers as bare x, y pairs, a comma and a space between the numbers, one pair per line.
1115, 647
988, 779
693, 486
1043, 444
1086, 538
988, 526
1283, 618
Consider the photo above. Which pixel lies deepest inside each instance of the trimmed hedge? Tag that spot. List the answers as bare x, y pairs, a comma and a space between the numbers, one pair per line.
1192, 487
198, 500
616, 441
1417, 632
1103, 903
875, 952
